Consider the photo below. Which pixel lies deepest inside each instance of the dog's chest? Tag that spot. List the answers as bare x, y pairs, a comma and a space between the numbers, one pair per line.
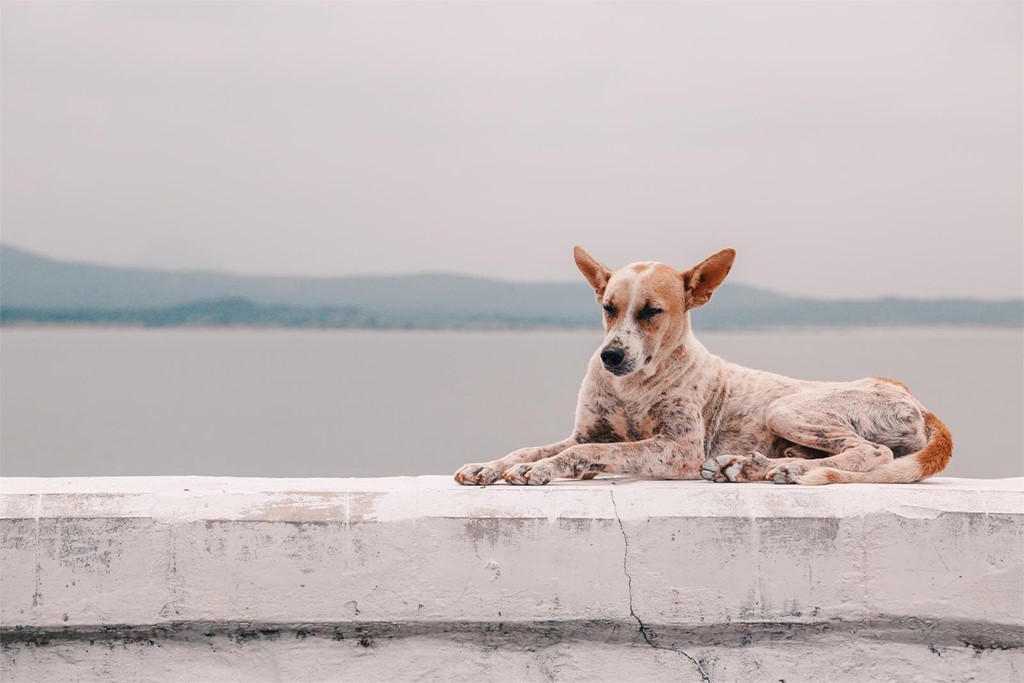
623, 422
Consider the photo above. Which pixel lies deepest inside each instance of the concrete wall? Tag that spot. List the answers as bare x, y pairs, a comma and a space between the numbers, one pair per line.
407, 578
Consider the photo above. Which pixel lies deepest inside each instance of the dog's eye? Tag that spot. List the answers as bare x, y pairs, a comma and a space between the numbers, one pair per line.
610, 310
648, 312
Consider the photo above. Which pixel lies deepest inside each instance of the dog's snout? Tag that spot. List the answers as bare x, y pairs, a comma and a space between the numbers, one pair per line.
612, 356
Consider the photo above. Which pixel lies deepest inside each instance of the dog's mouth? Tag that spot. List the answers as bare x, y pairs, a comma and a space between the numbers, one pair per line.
626, 368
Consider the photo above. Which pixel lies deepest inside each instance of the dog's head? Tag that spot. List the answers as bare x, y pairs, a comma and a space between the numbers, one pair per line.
646, 304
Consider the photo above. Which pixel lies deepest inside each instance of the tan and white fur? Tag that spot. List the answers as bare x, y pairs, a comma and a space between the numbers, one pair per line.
656, 404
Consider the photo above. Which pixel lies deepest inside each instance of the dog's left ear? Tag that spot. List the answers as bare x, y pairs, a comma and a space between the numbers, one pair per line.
597, 275
703, 279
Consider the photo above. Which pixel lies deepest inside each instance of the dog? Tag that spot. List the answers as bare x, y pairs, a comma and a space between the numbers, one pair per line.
656, 404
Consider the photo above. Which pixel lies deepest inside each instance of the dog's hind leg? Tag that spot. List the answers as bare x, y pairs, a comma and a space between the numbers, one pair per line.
860, 427
850, 451
928, 461
862, 456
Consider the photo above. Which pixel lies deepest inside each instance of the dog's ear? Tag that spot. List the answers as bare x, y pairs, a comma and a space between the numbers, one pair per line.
703, 279
597, 275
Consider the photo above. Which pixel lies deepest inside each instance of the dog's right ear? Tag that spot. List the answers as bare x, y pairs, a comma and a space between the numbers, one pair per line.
703, 279
597, 275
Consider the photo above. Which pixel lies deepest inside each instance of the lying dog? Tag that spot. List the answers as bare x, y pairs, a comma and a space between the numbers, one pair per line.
656, 404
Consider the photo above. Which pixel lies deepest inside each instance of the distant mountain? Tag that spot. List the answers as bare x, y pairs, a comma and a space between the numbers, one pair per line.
213, 313
35, 288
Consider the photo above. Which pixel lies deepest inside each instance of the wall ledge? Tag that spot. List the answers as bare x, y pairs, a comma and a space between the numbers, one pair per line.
730, 580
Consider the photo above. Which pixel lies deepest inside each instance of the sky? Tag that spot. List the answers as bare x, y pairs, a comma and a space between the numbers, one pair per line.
845, 149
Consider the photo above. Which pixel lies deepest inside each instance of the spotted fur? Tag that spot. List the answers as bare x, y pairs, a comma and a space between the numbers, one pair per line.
656, 404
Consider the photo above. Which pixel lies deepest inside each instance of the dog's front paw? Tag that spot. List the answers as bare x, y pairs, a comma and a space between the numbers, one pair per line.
529, 473
479, 474
735, 468
788, 473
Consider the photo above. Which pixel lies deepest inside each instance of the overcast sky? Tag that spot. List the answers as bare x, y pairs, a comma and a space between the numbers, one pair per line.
844, 149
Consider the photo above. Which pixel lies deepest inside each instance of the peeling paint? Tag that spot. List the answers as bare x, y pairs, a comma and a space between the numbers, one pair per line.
496, 530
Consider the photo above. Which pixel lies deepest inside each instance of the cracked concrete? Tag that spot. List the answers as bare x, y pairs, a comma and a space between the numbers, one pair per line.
629, 587
108, 578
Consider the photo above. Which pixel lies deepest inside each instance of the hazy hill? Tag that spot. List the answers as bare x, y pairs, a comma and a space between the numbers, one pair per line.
41, 289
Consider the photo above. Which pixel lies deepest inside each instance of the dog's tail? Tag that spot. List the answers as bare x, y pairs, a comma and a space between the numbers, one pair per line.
927, 462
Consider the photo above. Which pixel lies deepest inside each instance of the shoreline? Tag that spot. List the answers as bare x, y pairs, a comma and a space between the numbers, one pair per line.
99, 327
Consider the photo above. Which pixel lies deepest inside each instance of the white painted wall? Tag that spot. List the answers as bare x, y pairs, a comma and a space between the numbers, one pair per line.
383, 579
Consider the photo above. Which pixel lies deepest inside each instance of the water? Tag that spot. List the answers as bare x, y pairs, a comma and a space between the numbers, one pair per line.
296, 403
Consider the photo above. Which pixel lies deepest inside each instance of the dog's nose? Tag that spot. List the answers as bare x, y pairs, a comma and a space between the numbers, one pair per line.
612, 356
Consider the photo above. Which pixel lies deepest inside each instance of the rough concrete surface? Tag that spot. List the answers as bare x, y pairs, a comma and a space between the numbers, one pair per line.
186, 578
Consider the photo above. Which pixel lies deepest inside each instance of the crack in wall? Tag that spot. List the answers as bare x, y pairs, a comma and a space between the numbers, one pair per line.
644, 631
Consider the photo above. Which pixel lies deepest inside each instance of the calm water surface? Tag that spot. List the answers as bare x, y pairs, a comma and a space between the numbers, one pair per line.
290, 403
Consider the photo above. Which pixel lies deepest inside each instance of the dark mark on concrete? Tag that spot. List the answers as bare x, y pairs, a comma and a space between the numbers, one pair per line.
978, 636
